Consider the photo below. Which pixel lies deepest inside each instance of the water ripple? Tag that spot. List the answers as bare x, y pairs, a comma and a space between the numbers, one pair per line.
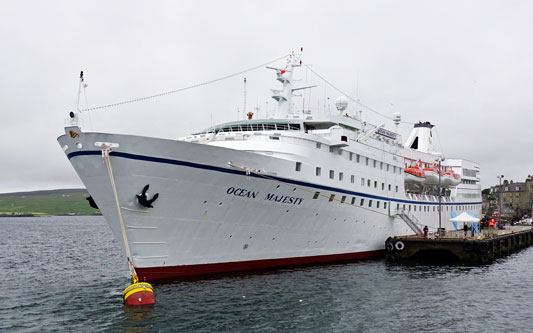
67, 274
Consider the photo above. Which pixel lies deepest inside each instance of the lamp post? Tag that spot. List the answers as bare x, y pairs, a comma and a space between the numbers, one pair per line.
500, 202
440, 198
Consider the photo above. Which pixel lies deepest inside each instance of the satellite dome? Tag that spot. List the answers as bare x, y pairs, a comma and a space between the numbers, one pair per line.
397, 117
341, 103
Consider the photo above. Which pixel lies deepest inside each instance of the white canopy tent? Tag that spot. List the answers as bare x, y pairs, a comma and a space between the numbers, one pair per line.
465, 218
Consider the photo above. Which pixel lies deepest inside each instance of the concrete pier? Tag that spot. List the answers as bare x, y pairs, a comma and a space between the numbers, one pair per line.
454, 246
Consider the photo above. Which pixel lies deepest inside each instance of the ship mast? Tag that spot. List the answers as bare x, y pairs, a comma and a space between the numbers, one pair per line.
284, 95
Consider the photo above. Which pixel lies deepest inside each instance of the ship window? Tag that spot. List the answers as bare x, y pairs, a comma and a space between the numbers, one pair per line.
368, 181
415, 207
390, 187
298, 166
362, 202
409, 207
367, 160
403, 206
270, 127
384, 205
383, 186
318, 171
331, 174
331, 149
352, 179
343, 199
316, 195
341, 175
294, 127
394, 168
339, 151
396, 188
369, 203
282, 127
362, 182
353, 200
331, 197
375, 163
375, 184
351, 156
377, 204
274, 137
388, 167
344, 138
397, 206
318, 145
381, 165
357, 157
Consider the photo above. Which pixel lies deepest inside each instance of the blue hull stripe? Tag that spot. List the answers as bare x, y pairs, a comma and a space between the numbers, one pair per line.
239, 172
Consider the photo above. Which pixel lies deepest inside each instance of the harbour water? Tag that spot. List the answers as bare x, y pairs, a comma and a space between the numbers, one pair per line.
67, 274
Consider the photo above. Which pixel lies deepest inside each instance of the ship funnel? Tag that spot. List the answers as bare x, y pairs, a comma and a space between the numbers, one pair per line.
421, 138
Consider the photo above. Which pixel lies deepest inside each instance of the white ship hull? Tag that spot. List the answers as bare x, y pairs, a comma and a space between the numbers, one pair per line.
214, 217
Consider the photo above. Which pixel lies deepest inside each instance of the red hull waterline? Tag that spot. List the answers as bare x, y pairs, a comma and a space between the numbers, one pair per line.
157, 273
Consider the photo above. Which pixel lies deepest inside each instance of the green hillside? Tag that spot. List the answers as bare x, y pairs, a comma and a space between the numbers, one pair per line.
54, 202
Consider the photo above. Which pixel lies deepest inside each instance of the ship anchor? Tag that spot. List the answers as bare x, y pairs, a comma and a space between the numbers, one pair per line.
143, 199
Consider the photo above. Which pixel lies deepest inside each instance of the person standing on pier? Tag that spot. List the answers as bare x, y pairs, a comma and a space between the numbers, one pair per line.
426, 231
465, 229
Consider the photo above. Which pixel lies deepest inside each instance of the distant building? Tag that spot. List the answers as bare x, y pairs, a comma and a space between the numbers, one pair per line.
517, 197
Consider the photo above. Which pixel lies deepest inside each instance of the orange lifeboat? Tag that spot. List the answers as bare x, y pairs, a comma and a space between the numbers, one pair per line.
432, 175
414, 174
450, 178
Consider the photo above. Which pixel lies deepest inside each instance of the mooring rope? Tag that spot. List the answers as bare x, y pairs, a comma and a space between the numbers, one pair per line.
105, 154
181, 89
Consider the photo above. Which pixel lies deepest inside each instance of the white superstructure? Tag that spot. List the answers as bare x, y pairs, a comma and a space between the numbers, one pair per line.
256, 193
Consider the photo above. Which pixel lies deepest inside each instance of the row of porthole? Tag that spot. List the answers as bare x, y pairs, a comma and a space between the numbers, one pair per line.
370, 202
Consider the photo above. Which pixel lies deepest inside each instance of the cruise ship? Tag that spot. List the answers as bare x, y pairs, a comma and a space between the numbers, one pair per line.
292, 189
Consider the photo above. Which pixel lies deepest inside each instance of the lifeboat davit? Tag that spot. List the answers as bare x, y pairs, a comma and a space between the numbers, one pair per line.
414, 174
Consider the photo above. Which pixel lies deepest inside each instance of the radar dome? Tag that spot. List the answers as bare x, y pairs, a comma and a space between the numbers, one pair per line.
341, 103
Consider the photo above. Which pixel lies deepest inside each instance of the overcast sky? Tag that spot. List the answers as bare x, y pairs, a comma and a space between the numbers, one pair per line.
466, 66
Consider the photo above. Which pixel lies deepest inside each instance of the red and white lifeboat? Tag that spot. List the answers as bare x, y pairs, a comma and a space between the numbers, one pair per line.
450, 178
414, 174
432, 175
